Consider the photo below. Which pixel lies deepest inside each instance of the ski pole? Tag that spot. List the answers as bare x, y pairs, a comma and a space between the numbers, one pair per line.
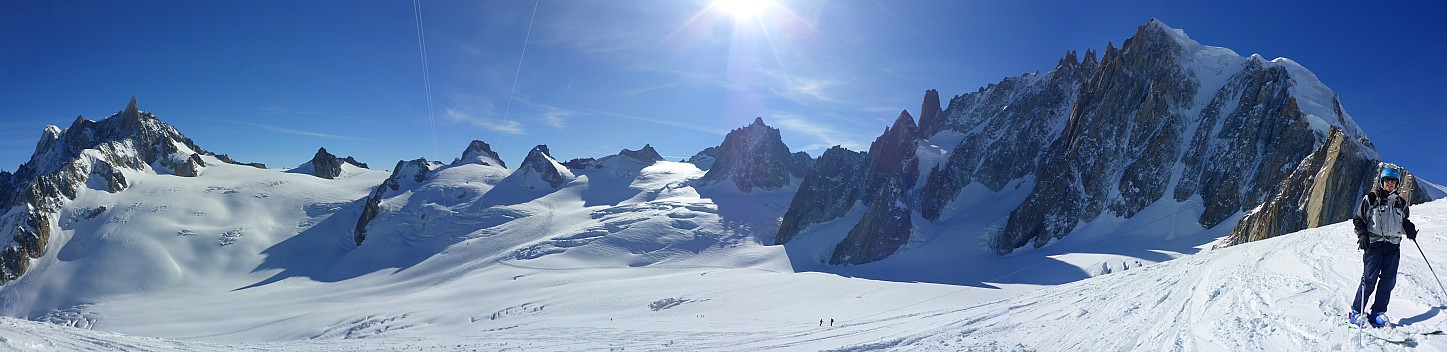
1429, 265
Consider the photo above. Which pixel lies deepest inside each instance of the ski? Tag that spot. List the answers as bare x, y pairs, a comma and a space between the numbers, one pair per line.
1408, 341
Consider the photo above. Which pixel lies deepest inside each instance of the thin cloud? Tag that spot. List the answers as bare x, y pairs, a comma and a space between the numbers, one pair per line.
557, 117
504, 126
658, 122
807, 90
820, 131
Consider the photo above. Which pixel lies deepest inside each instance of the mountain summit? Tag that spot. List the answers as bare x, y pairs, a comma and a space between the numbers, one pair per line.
87, 154
755, 156
1160, 120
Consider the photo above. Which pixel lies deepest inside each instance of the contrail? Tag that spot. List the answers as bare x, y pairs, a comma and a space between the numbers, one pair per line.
520, 61
426, 77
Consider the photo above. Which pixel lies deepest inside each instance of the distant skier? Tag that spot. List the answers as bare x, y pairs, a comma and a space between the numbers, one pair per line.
1381, 222
831, 321
821, 322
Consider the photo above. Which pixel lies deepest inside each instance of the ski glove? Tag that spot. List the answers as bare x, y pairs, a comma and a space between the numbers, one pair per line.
1411, 230
1362, 241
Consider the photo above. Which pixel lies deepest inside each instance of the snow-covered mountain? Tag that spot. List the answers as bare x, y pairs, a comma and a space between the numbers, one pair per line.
125, 225
89, 155
1281, 294
1160, 120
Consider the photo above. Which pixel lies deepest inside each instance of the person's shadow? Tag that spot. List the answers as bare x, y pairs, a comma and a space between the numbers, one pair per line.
1421, 317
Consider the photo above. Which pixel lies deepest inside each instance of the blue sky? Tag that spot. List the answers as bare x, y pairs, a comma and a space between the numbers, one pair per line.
270, 81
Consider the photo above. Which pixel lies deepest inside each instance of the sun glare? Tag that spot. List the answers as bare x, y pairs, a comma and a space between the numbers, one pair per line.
740, 9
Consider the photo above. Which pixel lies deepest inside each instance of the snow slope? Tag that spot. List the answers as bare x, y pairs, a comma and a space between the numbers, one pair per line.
1284, 293
248, 259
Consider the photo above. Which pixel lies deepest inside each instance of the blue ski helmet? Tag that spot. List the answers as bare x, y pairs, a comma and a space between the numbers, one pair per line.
1392, 173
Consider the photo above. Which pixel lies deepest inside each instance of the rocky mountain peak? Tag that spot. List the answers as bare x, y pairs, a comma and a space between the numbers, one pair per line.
1109, 137
753, 157
1155, 38
328, 166
540, 163
647, 155
479, 152
1068, 60
132, 109
61, 165
931, 119
896, 146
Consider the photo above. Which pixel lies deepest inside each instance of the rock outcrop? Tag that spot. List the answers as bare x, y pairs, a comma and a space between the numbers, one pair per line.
479, 152
931, 117
754, 157
840, 182
894, 170
227, 159
647, 155
405, 173
540, 165
328, 166
1325, 189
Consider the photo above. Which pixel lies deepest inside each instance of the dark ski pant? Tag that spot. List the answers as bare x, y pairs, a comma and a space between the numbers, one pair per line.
1380, 273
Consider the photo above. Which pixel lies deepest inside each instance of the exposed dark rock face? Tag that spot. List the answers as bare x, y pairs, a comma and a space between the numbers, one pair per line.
801, 163
7, 188
887, 225
191, 167
754, 157
841, 179
1259, 140
541, 163
1016, 119
415, 170
1122, 135
931, 119
479, 152
227, 159
1161, 118
1325, 189
65, 161
328, 166
582, 163
647, 155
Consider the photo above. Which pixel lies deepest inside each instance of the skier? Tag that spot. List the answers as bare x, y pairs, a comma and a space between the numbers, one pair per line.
1381, 222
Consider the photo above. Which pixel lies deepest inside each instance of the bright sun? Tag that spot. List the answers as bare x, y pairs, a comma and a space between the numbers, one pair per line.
742, 8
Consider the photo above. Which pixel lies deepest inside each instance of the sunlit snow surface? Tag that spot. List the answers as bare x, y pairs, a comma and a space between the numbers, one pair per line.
633, 258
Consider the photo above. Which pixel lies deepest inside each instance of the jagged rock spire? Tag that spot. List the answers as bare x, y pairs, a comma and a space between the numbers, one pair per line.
131, 108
